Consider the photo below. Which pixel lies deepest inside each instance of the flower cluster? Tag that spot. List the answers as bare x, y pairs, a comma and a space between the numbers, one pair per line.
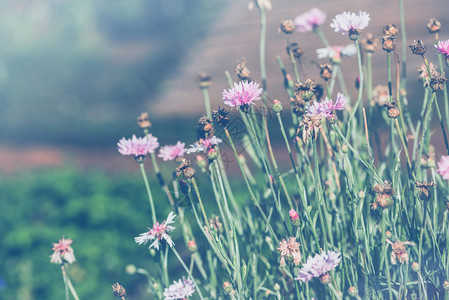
318, 265
180, 289
62, 252
347, 22
171, 152
204, 145
242, 94
289, 249
309, 20
158, 232
138, 146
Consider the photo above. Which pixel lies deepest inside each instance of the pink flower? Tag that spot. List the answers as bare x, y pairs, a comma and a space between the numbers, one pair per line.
157, 233
179, 289
293, 214
138, 146
203, 145
443, 167
171, 152
337, 52
62, 252
326, 107
443, 48
347, 21
289, 250
318, 265
243, 93
310, 20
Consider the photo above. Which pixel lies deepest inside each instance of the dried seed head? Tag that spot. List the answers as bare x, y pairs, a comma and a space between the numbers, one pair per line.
242, 70
305, 90
310, 125
354, 34
424, 189
287, 26
144, 121
399, 251
434, 25
437, 82
326, 71
203, 80
205, 128
391, 30
392, 110
388, 42
185, 169
418, 47
384, 197
119, 291
298, 105
295, 50
220, 117
369, 43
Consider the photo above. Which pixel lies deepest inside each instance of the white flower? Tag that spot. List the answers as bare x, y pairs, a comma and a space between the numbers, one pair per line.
180, 289
347, 21
203, 145
158, 232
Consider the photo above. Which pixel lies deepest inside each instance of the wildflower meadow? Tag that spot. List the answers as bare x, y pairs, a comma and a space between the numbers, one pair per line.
339, 187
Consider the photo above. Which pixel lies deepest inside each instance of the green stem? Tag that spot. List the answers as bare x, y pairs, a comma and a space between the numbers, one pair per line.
69, 283
150, 197
188, 271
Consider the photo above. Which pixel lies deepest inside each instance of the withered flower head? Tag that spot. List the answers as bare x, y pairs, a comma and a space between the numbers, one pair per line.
119, 290
144, 121
310, 124
424, 189
305, 90
423, 74
295, 50
369, 43
380, 95
242, 70
434, 25
220, 116
437, 82
326, 71
287, 26
185, 168
205, 128
418, 47
391, 30
388, 42
384, 195
289, 251
203, 80
392, 110
298, 106
399, 251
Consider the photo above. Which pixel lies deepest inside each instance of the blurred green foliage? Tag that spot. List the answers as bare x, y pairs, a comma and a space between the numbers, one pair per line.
102, 214
72, 69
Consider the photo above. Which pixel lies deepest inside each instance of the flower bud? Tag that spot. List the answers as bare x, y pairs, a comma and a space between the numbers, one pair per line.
332, 197
212, 154
144, 121
294, 217
325, 279
131, 269
415, 266
354, 34
227, 287
361, 195
353, 292
276, 287
203, 80
277, 106
344, 149
434, 25
446, 285
388, 234
287, 26
326, 71
191, 245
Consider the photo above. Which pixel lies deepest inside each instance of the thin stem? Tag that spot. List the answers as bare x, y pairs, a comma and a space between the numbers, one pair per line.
188, 271
150, 197
207, 102
69, 283
197, 192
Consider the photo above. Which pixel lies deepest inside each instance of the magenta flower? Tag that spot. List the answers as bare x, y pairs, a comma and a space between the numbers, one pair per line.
443, 167
443, 48
326, 107
337, 52
203, 145
318, 265
309, 20
138, 146
243, 93
347, 21
62, 252
171, 152
157, 233
180, 289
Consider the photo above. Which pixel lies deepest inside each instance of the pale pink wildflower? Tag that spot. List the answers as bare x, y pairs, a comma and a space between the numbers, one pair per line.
348, 21
204, 145
318, 265
171, 152
242, 93
289, 249
180, 289
293, 214
335, 53
443, 48
157, 233
443, 167
309, 20
138, 146
62, 252
326, 107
